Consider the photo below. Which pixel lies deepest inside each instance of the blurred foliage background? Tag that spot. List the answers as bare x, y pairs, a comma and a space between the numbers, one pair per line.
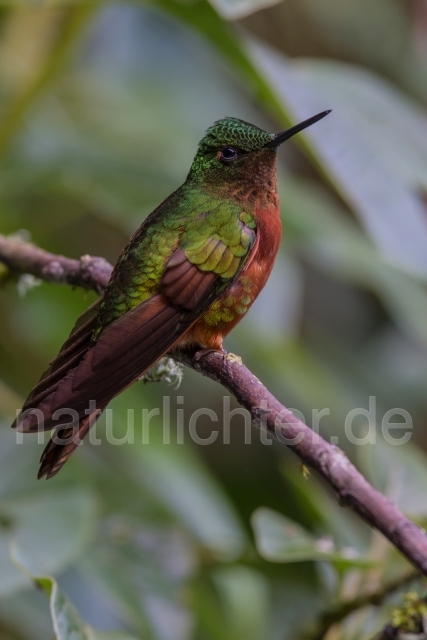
101, 109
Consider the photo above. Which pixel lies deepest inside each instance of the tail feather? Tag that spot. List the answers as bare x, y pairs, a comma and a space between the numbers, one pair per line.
69, 356
63, 443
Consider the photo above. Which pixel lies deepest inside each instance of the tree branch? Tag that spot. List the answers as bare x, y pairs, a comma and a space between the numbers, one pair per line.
266, 411
23, 257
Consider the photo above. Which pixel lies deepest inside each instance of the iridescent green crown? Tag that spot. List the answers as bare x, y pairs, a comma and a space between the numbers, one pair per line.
235, 132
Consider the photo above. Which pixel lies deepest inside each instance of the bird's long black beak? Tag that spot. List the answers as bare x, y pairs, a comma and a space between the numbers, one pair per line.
288, 133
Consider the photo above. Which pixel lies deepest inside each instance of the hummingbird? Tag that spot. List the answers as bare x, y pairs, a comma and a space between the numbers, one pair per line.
187, 276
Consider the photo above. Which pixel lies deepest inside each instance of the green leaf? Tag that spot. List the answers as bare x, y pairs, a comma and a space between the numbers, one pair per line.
67, 623
50, 532
66, 620
279, 539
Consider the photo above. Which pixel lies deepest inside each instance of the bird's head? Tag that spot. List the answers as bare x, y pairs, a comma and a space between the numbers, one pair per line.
234, 154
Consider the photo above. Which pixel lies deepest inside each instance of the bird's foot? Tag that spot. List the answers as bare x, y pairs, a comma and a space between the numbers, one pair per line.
204, 352
229, 357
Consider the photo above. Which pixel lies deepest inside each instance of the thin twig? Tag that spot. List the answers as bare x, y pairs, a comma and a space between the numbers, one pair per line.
24, 257
266, 411
343, 609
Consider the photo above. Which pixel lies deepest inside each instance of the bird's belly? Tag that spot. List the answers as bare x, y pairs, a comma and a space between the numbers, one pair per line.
230, 307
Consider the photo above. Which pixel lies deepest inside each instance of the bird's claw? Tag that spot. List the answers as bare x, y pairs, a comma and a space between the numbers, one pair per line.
229, 357
204, 352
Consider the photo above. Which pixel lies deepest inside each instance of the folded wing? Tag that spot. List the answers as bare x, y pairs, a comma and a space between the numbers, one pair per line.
86, 375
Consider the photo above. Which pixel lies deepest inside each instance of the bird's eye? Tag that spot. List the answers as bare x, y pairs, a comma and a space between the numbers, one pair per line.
228, 154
